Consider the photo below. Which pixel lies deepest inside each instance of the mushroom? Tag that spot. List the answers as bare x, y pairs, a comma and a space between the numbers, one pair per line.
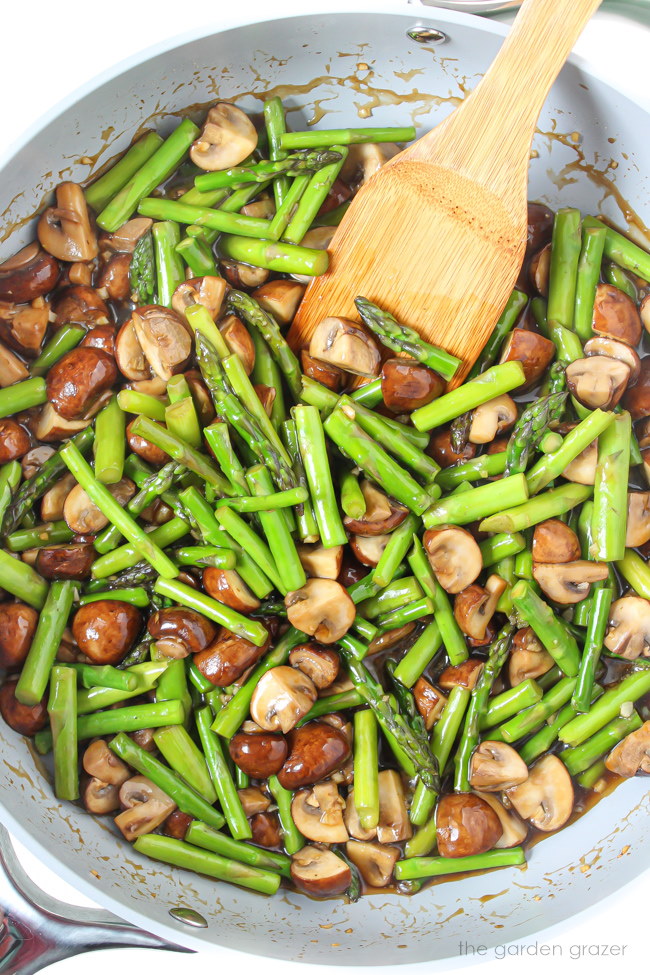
73, 561
266, 395
496, 766
393, 824
34, 460
201, 396
208, 291
239, 341
598, 382
130, 358
553, 541
266, 830
352, 822
164, 339
321, 664
454, 556
346, 345
628, 631
258, 755
429, 701
539, 268
318, 813
316, 750
52, 428
253, 800
226, 587
616, 316
282, 697
98, 797
14, 441
492, 418
364, 160
26, 719
83, 516
179, 631
230, 656
65, 230
102, 763
636, 399
600, 345
319, 872
280, 298
79, 380
12, 369
407, 385
466, 825
390, 638
17, 628
244, 275
382, 513
177, 824
533, 351
263, 207
320, 562
374, 862
79, 304
106, 630
227, 138
321, 608
528, 658
631, 755
149, 452
582, 470
540, 226
638, 519
126, 237
546, 797
319, 238
23, 326
368, 549
464, 674
30, 273
54, 498
568, 582
475, 606
114, 278
326, 375
514, 830
145, 807
440, 448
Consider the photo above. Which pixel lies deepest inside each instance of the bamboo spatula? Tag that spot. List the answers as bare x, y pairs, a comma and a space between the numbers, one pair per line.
437, 236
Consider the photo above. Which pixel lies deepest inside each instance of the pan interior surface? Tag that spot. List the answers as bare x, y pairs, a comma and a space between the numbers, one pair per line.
337, 70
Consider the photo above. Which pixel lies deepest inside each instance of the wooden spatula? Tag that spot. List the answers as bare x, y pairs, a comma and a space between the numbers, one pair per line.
437, 236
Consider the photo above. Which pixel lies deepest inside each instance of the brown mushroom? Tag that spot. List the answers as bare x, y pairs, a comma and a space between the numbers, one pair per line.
253, 800
244, 276
228, 657
600, 345
407, 385
177, 824
628, 632
126, 237
73, 561
17, 628
466, 825
200, 396
266, 395
514, 830
321, 608
239, 341
52, 428
321, 664
65, 230
454, 556
440, 448
528, 658
382, 513
539, 269
374, 862
320, 562
179, 631
26, 719
282, 697
632, 755
23, 327
98, 797
100, 761
266, 830
598, 382
164, 338
315, 751
12, 369
79, 304
258, 755
568, 582
326, 375
464, 674
208, 291
368, 549
318, 813
30, 273
553, 541
638, 519
546, 797
475, 606
582, 470
100, 337
131, 360
14, 441
106, 630
636, 399
34, 460
429, 701
319, 872
616, 316
352, 822
226, 587
492, 418
346, 345
82, 515
114, 277
280, 298
144, 448
533, 351
390, 638
77, 381
263, 206
227, 138
54, 498
495, 766
393, 824
145, 807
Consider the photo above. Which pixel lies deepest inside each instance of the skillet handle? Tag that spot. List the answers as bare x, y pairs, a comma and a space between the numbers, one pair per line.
37, 930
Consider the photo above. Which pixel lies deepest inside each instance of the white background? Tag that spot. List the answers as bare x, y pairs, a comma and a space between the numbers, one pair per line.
48, 50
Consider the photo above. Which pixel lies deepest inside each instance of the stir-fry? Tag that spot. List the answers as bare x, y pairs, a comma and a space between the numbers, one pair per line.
316, 617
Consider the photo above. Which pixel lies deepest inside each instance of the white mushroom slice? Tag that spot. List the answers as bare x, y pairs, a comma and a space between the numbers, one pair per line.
394, 822
164, 339
53, 500
352, 823
253, 800
495, 767
638, 519
12, 369
364, 160
546, 797
280, 298
382, 513
454, 555
429, 701
82, 515
152, 387
129, 356
99, 760
514, 830
51, 427
598, 382
631, 755
475, 606
320, 562
568, 582
539, 268
228, 137
319, 872
321, 608
368, 549
628, 633
375, 863
347, 345
238, 340
65, 230
208, 291
318, 813
146, 807
600, 345
384, 641
492, 418
281, 698
582, 470
528, 658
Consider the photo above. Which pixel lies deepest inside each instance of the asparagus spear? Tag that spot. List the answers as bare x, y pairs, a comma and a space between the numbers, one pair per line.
207, 838
292, 838
52, 622
313, 453
66, 338
102, 190
580, 757
530, 429
247, 308
552, 465
493, 382
109, 443
589, 262
550, 629
476, 469
550, 504
170, 271
275, 128
480, 502
251, 630
452, 637
306, 519
622, 251
219, 220
181, 452
322, 138
635, 571
62, 712
606, 708
366, 768
313, 197
563, 272
222, 779
275, 255
185, 758
422, 866
22, 396
275, 529
609, 518
291, 165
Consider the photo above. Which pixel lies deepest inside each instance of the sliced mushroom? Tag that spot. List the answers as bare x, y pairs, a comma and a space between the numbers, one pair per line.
475, 606
582, 470
164, 339
52, 428
102, 337
407, 385
79, 304
227, 138
258, 755
375, 863
320, 562
628, 632
79, 380
100, 761
230, 656
263, 207
26, 719
546, 797
253, 800
393, 824
319, 872
266, 395
390, 638
464, 674
539, 268
266, 830
454, 556
364, 160
466, 825
368, 549
30, 273
280, 298
131, 360
144, 448
533, 351
83, 516
318, 813
23, 327
208, 291
616, 316
12, 369
98, 797
600, 345
429, 701
65, 230
145, 807
238, 340
177, 824
382, 513
598, 382
569, 582
114, 279
126, 237
638, 519
34, 460
326, 375
14, 441
492, 418
496, 766
352, 823
243, 275
282, 697
53, 500
179, 631
554, 542
316, 750
321, 608
346, 345
321, 664
514, 830
632, 755
17, 628
528, 658
106, 630
226, 587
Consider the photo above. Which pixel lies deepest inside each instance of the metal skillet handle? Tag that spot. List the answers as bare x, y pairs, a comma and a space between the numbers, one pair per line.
37, 930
